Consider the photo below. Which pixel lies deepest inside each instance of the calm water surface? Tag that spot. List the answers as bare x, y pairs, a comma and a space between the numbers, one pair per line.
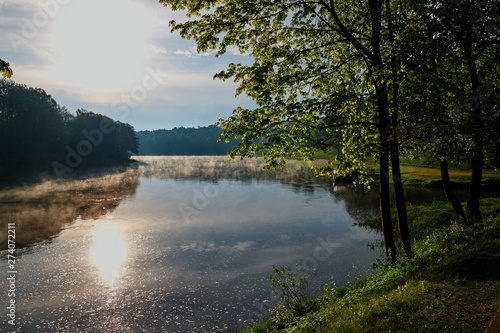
177, 244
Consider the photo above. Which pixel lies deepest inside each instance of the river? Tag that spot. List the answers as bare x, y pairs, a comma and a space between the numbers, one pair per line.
176, 244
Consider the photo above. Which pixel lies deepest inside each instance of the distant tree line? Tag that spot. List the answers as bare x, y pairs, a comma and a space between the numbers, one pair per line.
184, 141
37, 134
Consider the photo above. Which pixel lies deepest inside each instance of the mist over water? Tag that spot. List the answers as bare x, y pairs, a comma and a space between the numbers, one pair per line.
177, 244
42, 211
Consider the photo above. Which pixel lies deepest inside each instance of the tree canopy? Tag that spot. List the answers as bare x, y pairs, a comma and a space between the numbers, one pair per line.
320, 77
5, 69
451, 80
37, 134
368, 78
304, 74
184, 141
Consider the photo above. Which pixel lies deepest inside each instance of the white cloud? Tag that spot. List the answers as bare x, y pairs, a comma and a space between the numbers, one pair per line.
242, 246
234, 50
192, 52
184, 52
160, 50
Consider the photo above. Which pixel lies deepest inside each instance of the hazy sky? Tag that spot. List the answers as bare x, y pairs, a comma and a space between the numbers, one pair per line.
117, 58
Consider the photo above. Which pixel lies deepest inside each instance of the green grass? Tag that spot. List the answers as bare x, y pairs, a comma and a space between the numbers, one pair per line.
422, 220
452, 284
426, 176
431, 177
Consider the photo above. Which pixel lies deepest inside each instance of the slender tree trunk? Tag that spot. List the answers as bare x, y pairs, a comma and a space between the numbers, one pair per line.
385, 207
404, 233
384, 123
384, 191
448, 191
473, 212
377, 68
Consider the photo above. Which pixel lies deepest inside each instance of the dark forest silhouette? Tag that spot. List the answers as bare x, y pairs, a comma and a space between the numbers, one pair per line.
38, 135
184, 141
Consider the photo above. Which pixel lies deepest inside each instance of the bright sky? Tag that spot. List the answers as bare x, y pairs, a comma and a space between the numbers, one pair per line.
117, 58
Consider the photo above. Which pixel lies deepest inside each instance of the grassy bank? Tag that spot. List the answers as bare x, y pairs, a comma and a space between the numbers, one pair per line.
431, 177
452, 284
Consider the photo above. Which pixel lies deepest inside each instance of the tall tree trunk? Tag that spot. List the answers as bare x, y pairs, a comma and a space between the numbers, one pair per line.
384, 190
448, 191
385, 207
384, 123
473, 212
404, 233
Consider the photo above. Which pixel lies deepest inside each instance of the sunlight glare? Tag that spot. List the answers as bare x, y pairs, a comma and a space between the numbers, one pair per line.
109, 252
101, 44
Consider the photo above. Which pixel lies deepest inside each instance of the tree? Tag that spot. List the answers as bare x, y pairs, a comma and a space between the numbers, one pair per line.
432, 84
104, 147
458, 54
30, 124
184, 141
6, 73
5, 69
323, 75
37, 134
471, 29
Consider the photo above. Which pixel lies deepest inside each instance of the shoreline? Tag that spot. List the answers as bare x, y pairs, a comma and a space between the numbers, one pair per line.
452, 284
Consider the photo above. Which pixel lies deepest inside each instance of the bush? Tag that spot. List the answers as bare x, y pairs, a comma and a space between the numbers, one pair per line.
293, 289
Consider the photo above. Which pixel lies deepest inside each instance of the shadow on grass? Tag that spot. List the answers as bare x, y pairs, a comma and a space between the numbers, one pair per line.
479, 263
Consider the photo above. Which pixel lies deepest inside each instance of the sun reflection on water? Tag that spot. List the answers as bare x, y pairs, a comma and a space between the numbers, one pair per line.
109, 252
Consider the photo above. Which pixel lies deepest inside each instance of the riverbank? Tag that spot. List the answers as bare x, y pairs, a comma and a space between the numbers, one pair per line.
409, 171
431, 177
452, 284
424, 176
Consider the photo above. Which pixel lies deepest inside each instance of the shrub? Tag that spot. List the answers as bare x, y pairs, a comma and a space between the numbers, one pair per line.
293, 289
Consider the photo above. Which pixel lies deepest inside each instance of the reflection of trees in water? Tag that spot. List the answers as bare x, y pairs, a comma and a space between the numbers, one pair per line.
297, 174
42, 211
360, 202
